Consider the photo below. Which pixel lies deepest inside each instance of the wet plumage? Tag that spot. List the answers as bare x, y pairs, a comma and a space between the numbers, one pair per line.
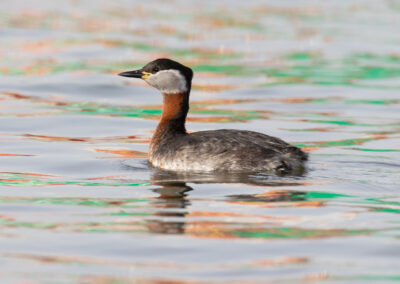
227, 150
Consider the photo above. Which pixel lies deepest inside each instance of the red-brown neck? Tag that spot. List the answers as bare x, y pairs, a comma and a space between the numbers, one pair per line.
175, 109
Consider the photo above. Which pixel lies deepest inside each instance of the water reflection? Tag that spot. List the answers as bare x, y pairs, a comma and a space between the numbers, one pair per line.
173, 201
174, 217
159, 177
271, 196
236, 215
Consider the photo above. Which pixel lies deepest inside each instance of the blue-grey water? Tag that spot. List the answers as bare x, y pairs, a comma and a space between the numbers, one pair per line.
78, 202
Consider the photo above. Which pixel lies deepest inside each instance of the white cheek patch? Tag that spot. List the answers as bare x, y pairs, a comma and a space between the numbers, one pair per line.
168, 81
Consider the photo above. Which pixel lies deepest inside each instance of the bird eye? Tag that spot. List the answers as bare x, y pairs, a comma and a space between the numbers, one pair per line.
156, 69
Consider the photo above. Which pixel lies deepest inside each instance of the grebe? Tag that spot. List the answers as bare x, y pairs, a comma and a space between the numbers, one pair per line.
226, 150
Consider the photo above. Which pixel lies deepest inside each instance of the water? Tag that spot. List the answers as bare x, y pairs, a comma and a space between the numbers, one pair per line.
78, 202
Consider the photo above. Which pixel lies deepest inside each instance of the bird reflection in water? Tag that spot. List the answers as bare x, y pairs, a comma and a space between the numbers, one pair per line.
173, 199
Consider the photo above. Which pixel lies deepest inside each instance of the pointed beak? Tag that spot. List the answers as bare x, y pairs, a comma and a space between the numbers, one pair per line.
135, 74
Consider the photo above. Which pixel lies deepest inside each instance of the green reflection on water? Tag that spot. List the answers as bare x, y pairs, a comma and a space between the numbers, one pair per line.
346, 142
375, 150
294, 233
155, 111
13, 223
311, 68
20, 179
85, 202
375, 102
370, 277
219, 229
49, 183
130, 111
387, 210
324, 195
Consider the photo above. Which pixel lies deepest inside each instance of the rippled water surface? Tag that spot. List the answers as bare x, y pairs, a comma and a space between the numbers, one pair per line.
78, 203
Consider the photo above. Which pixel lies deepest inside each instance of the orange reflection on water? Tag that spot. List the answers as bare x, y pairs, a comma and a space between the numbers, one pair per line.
29, 174
56, 138
124, 153
16, 155
280, 261
214, 119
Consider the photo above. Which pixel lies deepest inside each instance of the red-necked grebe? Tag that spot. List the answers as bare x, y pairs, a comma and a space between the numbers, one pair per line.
172, 148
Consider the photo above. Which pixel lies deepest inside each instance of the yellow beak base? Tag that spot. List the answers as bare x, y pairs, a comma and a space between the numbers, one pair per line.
145, 75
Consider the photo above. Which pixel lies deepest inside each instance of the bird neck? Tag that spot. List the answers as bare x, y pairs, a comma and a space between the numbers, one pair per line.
175, 109
172, 122
174, 112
